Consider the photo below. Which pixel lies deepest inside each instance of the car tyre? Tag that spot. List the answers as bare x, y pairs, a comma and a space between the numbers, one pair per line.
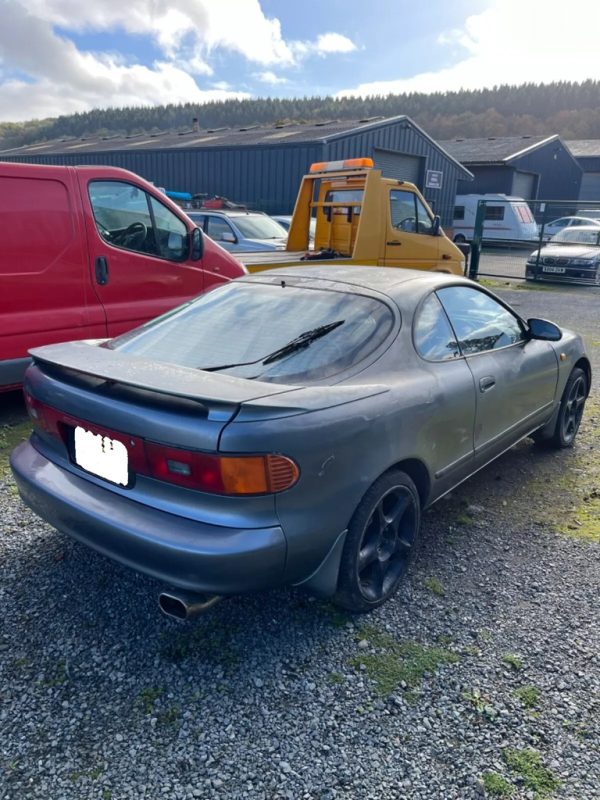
459, 239
571, 411
382, 537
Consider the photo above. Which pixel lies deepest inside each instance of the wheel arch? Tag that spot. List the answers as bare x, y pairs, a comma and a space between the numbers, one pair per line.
585, 365
418, 472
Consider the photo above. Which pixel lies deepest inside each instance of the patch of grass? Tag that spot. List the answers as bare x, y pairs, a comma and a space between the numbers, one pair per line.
529, 696
481, 704
527, 764
212, 643
169, 716
147, 698
435, 586
464, 519
10, 436
518, 285
106, 794
335, 678
334, 615
485, 635
513, 661
93, 773
24, 662
495, 785
404, 662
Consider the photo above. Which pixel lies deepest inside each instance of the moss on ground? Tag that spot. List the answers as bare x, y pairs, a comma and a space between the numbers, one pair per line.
496, 786
10, 437
527, 764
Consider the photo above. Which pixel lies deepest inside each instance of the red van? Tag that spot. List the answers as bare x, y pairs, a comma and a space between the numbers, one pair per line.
89, 252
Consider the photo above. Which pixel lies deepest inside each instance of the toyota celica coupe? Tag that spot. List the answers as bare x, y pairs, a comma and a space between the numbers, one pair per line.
289, 427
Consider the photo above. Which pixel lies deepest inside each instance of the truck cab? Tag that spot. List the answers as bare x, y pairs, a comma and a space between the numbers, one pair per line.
363, 218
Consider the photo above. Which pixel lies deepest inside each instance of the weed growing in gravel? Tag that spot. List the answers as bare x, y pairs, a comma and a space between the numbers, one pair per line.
404, 663
147, 698
464, 519
513, 661
58, 675
334, 615
528, 695
10, 436
435, 586
106, 794
496, 786
527, 764
335, 678
169, 716
480, 703
485, 635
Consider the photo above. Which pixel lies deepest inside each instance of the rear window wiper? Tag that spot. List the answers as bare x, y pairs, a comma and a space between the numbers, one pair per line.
305, 339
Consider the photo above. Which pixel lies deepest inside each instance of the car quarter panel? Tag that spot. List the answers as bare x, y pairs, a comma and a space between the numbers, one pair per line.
426, 415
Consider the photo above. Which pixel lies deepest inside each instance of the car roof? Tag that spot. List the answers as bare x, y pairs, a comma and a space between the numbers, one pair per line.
227, 212
381, 279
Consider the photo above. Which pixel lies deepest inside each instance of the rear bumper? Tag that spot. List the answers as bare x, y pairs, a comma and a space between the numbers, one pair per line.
191, 555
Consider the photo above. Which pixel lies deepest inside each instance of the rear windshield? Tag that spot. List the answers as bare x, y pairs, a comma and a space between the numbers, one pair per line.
239, 325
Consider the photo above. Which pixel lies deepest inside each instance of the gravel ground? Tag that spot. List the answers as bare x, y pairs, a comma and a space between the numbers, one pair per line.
480, 679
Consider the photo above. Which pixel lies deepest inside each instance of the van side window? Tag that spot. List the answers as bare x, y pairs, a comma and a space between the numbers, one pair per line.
408, 213
459, 212
495, 213
126, 216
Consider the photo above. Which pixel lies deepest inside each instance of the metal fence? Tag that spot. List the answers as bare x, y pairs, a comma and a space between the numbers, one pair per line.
543, 240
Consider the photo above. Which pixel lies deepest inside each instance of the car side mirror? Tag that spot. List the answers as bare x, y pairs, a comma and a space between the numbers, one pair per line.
197, 245
542, 329
435, 227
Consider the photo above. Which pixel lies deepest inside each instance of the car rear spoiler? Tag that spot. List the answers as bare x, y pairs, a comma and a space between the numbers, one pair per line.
214, 391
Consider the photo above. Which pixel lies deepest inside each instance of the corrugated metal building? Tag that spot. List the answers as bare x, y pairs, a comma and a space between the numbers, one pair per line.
262, 166
533, 167
587, 154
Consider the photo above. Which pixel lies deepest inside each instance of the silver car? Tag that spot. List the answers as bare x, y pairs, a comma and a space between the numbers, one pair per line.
290, 427
241, 231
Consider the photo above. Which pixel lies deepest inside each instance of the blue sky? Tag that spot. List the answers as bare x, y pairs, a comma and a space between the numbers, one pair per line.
63, 56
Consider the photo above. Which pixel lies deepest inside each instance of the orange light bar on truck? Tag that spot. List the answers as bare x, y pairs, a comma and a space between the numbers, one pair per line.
346, 163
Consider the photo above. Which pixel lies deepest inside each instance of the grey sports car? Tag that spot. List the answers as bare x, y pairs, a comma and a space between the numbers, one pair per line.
289, 427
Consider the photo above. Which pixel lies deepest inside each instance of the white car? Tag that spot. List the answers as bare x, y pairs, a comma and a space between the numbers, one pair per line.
286, 221
567, 223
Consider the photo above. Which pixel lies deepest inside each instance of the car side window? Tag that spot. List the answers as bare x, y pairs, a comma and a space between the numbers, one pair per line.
433, 336
481, 323
219, 230
122, 215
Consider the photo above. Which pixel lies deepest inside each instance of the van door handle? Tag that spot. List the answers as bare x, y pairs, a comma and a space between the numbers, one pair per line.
394, 244
487, 383
101, 271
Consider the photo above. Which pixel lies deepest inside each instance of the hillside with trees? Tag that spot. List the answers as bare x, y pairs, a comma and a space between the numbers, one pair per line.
569, 109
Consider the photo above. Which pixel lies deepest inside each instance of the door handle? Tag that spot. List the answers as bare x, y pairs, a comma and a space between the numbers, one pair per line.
394, 244
101, 271
487, 383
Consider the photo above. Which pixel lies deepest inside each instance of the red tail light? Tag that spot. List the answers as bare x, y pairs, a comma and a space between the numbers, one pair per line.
205, 472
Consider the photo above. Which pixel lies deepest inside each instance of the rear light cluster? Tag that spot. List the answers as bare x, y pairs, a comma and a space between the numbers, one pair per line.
206, 472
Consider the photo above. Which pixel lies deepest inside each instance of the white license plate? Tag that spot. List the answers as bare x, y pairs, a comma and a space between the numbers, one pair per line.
559, 270
107, 458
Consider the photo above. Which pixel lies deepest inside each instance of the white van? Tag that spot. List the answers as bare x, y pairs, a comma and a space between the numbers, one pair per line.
506, 218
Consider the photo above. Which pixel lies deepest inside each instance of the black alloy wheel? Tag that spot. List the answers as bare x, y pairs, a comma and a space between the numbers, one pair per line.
381, 540
571, 409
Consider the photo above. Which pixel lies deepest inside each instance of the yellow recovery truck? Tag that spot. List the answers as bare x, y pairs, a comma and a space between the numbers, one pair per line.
362, 218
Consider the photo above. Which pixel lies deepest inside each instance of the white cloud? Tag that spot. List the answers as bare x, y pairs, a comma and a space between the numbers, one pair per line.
269, 77
510, 42
44, 74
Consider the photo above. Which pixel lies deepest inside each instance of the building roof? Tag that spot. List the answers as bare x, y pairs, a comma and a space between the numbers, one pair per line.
494, 149
582, 148
250, 135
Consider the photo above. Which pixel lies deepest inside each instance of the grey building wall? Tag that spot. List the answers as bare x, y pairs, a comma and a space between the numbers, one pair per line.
494, 179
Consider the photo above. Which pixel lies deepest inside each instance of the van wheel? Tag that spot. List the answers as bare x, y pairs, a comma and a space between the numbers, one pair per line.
382, 537
459, 239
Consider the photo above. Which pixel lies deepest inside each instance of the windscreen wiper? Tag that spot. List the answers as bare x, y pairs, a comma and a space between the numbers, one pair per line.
305, 339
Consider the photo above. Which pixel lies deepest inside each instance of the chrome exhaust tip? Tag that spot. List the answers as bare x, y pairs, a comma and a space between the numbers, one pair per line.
184, 606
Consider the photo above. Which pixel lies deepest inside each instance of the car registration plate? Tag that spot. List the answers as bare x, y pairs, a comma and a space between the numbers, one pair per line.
559, 270
102, 456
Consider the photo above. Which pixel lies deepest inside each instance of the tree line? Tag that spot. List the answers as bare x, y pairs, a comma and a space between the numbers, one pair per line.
570, 109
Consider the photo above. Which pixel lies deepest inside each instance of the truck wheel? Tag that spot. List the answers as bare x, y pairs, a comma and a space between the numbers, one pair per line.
382, 537
459, 239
